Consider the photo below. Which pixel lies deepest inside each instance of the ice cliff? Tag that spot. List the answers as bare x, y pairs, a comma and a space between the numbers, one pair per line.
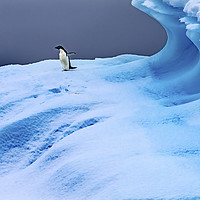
177, 65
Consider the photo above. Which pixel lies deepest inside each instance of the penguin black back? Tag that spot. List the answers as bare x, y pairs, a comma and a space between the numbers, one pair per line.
61, 47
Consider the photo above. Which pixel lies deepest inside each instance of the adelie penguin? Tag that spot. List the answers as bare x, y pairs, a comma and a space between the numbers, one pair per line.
64, 58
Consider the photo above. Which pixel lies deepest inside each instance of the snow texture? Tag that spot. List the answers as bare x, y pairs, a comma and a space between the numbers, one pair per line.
118, 128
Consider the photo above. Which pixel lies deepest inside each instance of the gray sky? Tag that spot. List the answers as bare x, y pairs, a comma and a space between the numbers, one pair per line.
30, 29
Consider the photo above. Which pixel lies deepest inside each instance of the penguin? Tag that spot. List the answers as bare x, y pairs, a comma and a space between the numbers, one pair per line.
64, 58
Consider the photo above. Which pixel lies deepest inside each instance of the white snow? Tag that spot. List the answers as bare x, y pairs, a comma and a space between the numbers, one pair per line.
193, 8
108, 138
176, 3
118, 128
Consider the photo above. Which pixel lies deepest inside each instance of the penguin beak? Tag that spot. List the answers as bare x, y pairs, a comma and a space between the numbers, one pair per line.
56, 48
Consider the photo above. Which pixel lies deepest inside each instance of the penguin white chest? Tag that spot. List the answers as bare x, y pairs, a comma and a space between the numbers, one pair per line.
64, 60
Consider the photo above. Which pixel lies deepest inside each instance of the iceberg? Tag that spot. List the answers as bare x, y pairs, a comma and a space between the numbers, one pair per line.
119, 128
177, 66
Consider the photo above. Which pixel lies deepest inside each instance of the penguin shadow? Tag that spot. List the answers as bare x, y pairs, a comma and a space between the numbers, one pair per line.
71, 69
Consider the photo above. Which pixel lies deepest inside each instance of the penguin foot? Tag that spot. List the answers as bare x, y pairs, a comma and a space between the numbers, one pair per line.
72, 67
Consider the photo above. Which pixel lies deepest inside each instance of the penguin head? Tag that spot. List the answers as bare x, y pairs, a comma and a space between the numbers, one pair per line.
60, 47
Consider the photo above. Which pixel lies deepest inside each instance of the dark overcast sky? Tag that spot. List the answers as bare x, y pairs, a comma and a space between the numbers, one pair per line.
30, 29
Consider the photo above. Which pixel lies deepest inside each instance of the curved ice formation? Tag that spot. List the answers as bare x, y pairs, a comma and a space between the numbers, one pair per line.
94, 134
177, 65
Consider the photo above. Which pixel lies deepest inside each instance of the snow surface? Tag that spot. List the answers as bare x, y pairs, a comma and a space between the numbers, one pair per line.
118, 128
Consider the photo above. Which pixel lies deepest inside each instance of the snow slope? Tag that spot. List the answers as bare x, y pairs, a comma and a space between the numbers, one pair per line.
116, 128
